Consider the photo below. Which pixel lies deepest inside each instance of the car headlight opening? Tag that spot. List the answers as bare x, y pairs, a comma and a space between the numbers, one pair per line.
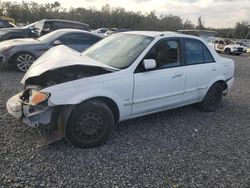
38, 97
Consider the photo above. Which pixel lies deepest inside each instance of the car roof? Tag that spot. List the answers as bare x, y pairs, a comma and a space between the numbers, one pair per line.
161, 33
68, 21
61, 31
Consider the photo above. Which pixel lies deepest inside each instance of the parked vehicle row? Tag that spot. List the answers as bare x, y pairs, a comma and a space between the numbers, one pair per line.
40, 28
81, 96
23, 52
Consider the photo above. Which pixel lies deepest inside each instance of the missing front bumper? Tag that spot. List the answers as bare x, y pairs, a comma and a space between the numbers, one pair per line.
48, 119
14, 106
32, 116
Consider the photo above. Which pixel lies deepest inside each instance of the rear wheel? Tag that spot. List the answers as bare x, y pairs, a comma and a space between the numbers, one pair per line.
23, 61
213, 98
90, 124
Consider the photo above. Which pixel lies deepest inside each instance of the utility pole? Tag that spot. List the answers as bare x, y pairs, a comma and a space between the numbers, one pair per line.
248, 32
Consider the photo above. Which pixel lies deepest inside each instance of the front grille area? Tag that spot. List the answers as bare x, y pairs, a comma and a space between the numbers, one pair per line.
240, 49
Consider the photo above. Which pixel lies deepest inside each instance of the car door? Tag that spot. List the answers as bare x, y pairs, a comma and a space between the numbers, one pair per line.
79, 41
201, 68
162, 87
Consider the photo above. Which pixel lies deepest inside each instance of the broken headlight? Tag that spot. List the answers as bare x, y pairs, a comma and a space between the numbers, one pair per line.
38, 97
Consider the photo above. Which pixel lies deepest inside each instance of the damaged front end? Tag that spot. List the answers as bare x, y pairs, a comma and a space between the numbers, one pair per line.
31, 107
34, 107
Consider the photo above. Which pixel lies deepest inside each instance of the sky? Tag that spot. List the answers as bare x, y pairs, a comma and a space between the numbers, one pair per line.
215, 13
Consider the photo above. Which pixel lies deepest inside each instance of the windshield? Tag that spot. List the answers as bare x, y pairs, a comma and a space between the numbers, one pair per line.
119, 50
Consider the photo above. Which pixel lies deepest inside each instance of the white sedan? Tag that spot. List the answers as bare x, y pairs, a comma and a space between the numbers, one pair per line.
83, 95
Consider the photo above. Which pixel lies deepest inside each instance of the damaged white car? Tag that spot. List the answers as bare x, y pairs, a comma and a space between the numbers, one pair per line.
82, 96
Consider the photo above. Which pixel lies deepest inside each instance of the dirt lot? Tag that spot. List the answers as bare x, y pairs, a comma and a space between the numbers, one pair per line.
178, 148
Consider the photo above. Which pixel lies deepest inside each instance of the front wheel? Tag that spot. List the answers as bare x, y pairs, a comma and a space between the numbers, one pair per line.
90, 124
213, 98
23, 61
228, 51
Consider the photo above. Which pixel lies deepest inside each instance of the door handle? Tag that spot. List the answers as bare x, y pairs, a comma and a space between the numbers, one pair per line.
177, 75
213, 68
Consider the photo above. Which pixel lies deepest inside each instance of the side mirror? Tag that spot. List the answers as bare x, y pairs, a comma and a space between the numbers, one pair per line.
149, 64
57, 42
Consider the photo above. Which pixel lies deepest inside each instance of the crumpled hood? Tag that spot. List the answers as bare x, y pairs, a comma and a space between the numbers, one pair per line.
57, 57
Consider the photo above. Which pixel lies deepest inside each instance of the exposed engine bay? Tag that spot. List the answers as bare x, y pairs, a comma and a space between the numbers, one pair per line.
65, 74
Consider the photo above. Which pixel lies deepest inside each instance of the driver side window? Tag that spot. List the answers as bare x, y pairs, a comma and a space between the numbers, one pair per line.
166, 53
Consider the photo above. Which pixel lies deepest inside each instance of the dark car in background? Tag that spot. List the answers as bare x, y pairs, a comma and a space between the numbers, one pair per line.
5, 24
23, 52
40, 28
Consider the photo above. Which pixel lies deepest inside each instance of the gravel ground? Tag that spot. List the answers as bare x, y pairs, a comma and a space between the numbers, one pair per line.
177, 148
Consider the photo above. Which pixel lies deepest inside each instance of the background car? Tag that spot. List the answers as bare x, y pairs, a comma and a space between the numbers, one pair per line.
23, 52
228, 47
100, 31
40, 28
115, 30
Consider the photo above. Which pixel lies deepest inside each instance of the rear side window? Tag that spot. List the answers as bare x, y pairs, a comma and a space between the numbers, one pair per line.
1, 24
79, 38
208, 58
197, 52
81, 27
62, 25
4, 24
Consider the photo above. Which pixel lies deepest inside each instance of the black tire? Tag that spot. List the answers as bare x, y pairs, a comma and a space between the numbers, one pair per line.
213, 98
228, 51
90, 124
23, 61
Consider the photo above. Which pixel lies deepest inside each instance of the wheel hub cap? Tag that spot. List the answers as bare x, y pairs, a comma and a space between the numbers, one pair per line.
89, 125
24, 61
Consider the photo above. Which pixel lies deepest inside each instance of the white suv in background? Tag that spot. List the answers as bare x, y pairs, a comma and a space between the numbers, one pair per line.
229, 47
83, 95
